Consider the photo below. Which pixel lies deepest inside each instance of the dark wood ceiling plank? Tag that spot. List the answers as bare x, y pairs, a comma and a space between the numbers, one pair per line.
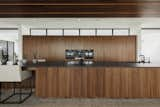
90, 8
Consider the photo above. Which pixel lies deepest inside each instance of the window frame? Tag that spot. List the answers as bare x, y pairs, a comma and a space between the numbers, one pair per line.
104, 29
95, 29
38, 29
128, 29
54, 29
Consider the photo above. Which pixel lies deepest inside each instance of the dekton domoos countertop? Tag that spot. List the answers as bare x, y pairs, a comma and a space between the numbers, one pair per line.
95, 64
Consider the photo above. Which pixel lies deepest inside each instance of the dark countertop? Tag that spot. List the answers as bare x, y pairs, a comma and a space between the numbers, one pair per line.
95, 64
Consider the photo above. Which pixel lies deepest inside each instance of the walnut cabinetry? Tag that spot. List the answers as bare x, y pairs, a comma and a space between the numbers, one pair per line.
98, 82
106, 48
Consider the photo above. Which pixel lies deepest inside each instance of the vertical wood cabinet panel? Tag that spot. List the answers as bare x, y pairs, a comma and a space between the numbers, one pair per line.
98, 82
63, 82
130, 47
52, 81
75, 81
157, 82
150, 86
41, 82
51, 43
132, 82
85, 83
106, 48
98, 47
117, 82
115, 85
107, 82
125, 85
136, 79
41, 45
91, 82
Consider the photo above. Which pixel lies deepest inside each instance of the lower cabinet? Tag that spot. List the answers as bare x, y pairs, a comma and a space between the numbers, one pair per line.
98, 82
132, 83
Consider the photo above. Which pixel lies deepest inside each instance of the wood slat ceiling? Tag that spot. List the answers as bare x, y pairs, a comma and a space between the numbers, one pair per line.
79, 8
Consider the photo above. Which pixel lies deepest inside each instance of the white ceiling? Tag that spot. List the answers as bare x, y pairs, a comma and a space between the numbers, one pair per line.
143, 22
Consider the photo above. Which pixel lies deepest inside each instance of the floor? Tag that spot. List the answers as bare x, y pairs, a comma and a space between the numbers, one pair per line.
38, 102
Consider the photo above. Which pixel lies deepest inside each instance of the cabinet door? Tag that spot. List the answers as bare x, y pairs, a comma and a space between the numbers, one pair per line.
132, 83
115, 83
149, 81
126, 82
108, 82
75, 82
91, 82
95, 82
41, 80
139, 85
155, 82
99, 82
63, 82
84, 86
52, 81
118, 82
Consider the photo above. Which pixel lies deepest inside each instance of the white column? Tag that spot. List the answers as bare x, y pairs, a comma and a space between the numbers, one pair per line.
136, 30
20, 42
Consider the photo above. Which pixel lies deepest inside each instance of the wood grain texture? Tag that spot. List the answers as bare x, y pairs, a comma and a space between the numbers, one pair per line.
79, 8
106, 48
41, 82
98, 82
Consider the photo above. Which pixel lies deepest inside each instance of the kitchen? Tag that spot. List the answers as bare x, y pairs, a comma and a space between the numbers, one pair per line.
81, 58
